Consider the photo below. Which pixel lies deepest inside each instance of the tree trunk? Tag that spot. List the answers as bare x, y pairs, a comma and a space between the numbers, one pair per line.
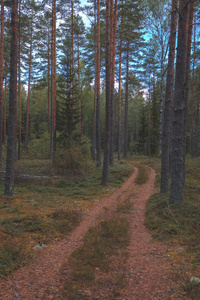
72, 54
5, 96
29, 92
93, 146
197, 120
161, 104
98, 142
1, 78
126, 106
188, 74
120, 94
12, 124
168, 102
192, 96
79, 90
49, 86
54, 79
107, 120
178, 132
19, 87
149, 125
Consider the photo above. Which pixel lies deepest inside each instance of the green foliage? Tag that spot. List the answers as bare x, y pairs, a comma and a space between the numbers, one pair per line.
75, 157
39, 147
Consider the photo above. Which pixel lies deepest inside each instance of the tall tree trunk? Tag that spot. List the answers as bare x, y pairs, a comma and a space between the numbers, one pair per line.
98, 138
12, 123
72, 54
188, 74
161, 103
120, 94
54, 79
192, 96
149, 125
126, 106
29, 91
113, 51
107, 120
5, 96
93, 145
79, 90
19, 87
168, 102
178, 132
197, 120
1, 78
49, 86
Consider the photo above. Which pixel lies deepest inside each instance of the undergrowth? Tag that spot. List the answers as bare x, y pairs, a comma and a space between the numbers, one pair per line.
178, 227
45, 209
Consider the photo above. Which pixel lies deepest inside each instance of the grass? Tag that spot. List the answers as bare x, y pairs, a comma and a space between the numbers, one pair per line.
45, 210
142, 176
178, 227
95, 257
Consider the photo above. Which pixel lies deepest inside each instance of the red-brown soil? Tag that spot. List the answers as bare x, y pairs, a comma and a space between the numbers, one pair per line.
148, 275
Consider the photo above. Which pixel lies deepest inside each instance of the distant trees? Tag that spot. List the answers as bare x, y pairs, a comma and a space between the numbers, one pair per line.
104, 81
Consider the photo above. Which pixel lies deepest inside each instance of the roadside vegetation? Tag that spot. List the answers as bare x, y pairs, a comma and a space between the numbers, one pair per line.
178, 228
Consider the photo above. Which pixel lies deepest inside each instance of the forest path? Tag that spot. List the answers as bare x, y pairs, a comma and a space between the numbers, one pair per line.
146, 275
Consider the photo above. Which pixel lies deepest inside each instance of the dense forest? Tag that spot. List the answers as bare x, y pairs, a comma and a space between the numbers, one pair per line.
105, 79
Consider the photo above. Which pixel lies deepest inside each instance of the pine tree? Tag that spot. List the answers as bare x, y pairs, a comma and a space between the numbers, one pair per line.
9, 179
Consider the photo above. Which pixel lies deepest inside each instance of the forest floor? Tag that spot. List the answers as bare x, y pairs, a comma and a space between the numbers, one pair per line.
140, 271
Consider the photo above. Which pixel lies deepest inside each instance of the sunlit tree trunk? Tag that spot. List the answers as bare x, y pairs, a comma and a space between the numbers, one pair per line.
168, 102
12, 121
1, 78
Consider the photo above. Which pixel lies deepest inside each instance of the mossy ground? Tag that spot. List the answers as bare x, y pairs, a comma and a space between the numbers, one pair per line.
178, 227
45, 209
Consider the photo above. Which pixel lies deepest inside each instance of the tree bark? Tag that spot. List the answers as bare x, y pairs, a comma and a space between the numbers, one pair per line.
98, 142
164, 187
5, 96
192, 96
54, 79
126, 106
12, 124
178, 132
1, 78
107, 120
120, 94
19, 88
29, 91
